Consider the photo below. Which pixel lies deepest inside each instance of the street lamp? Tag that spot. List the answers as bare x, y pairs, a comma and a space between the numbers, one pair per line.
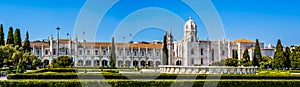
57, 54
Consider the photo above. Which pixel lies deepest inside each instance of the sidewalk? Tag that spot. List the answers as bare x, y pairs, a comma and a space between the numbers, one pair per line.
2, 78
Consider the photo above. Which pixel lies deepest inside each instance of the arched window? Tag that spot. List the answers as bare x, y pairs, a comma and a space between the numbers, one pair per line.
38, 52
192, 51
46, 52
143, 53
149, 53
104, 52
88, 63
80, 52
96, 52
135, 53
80, 63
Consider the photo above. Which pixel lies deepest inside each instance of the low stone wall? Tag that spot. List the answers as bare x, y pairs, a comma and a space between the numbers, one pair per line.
206, 70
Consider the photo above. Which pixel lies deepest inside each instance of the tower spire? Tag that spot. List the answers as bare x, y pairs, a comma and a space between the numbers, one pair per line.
170, 30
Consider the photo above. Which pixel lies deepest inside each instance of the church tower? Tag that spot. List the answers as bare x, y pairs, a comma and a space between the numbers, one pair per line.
190, 44
190, 31
170, 47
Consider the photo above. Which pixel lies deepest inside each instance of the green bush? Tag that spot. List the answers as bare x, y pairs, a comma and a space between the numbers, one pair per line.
154, 83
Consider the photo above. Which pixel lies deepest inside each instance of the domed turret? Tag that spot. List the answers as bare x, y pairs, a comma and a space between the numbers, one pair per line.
190, 30
190, 24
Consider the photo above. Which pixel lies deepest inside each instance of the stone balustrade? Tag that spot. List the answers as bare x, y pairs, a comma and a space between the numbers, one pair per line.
206, 70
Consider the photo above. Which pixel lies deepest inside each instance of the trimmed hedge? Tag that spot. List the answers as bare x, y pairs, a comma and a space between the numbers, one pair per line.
59, 70
154, 83
294, 71
71, 70
145, 76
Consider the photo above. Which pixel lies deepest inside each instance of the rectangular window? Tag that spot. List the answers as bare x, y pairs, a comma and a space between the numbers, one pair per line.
120, 53
192, 61
212, 55
73, 51
88, 52
201, 51
192, 51
96, 52
54, 51
128, 53
201, 61
150, 53
38, 52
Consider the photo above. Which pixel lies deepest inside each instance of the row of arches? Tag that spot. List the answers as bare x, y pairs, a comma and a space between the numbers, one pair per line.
120, 63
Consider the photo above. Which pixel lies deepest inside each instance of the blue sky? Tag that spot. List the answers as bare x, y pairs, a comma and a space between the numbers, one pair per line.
267, 20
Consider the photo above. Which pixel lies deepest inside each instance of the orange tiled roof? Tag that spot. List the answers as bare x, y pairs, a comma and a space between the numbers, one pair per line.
64, 40
243, 41
252, 48
39, 44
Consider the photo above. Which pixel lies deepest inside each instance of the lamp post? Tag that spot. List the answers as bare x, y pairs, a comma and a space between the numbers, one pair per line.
57, 54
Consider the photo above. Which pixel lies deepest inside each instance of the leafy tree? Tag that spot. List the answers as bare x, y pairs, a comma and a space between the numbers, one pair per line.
231, 62
287, 57
265, 62
112, 54
7, 52
10, 36
28, 58
17, 38
11, 56
279, 57
257, 54
20, 67
16, 57
246, 55
26, 44
1, 36
165, 51
36, 63
245, 61
62, 61
295, 60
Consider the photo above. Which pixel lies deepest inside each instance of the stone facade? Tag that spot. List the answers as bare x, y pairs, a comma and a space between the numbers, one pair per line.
189, 51
192, 51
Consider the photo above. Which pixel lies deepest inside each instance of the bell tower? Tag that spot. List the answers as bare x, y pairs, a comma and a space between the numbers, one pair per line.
190, 31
